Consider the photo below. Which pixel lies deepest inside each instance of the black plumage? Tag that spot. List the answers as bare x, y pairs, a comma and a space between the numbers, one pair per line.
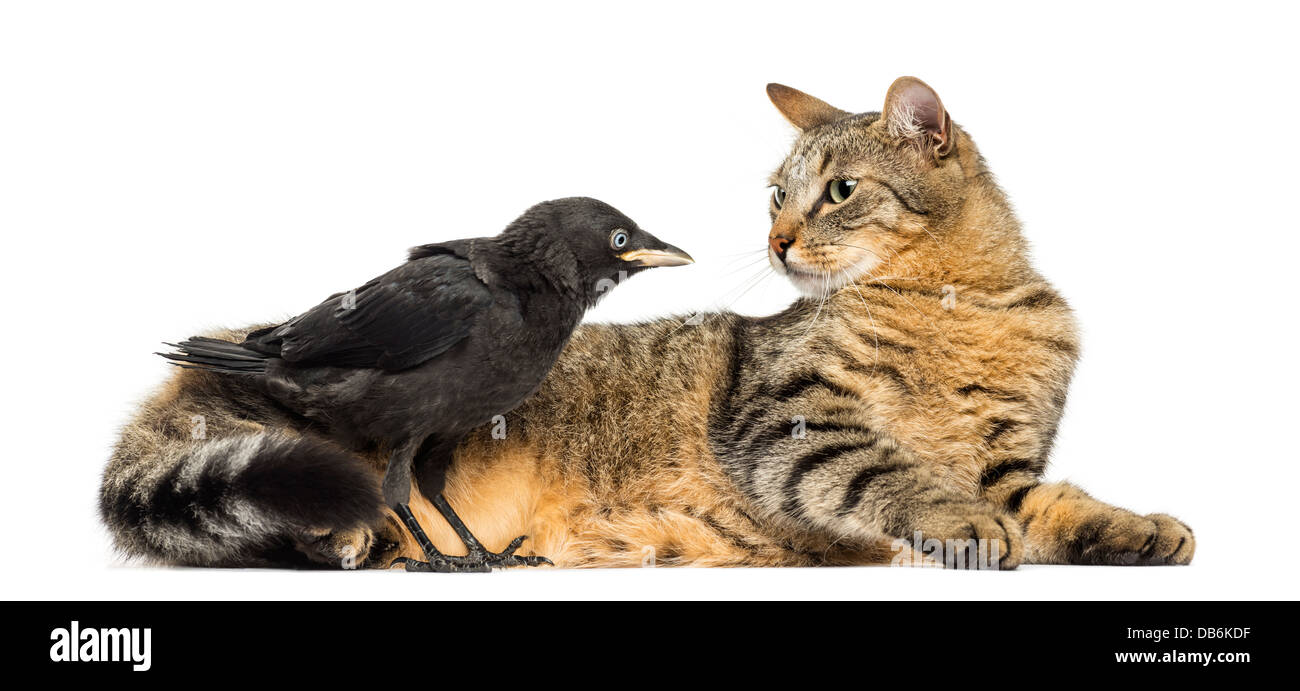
463, 331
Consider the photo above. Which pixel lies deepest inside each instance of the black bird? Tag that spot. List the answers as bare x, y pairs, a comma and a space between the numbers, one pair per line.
463, 331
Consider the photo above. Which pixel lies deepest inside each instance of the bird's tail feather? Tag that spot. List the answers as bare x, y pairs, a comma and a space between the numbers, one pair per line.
216, 355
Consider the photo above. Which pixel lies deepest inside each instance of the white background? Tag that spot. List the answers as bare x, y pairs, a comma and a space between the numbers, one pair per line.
170, 166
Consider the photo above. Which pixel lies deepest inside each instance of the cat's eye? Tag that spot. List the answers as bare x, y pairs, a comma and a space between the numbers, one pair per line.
618, 239
778, 196
839, 190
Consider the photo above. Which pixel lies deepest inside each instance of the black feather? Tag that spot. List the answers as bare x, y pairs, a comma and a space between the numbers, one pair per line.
216, 356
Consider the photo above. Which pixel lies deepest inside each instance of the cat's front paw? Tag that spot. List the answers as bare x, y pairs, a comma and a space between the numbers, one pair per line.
975, 536
1128, 539
1174, 542
339, 549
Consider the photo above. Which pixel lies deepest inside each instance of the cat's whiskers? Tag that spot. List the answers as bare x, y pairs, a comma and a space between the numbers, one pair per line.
827, 552
855, 265
746, 266
875, 330
825, 293
740, 257
909, 302
892, 251
936, 239
763, 274
880, 281
745, 253
856, 247
744, 286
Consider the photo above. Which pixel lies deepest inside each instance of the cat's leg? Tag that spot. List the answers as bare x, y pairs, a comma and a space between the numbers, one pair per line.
911, 504
865, 485
1062, 524
353, 547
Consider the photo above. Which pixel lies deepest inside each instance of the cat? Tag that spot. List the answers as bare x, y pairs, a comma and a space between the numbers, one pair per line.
910, 397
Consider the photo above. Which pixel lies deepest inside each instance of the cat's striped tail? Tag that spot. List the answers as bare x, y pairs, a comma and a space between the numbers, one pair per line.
237, 500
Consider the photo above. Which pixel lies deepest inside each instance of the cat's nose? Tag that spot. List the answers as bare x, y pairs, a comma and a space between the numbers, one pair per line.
780, 245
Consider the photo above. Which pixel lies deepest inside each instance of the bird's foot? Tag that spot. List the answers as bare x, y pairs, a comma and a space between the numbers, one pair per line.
477, 552
441, 563
507, 557
478, 560
436, 561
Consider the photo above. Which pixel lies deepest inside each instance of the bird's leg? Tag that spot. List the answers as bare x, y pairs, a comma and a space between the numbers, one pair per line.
429, 463
477, 552
397, 492
436, 561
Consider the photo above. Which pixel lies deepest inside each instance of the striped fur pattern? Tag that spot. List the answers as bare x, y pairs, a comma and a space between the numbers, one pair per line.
914, 392
211, 474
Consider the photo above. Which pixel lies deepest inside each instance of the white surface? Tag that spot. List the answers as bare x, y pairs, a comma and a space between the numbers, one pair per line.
166, 167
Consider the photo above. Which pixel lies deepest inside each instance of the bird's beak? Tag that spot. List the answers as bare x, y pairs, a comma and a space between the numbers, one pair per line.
668, 256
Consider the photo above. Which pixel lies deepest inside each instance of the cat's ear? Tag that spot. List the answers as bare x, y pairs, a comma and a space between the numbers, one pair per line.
803, 111
914, 112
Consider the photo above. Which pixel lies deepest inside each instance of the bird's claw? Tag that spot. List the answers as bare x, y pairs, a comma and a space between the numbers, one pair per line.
507, 558
441, 564
477, 561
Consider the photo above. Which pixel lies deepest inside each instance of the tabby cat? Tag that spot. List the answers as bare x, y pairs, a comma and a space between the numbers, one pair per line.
910, 397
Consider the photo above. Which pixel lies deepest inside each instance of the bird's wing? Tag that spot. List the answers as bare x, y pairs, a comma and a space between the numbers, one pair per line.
458, 248
401, 319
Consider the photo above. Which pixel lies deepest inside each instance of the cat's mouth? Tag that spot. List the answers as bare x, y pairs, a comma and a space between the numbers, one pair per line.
820, 278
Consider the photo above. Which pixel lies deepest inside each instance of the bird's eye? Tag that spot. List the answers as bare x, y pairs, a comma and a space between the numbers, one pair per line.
839, 190
778, 196
618, 239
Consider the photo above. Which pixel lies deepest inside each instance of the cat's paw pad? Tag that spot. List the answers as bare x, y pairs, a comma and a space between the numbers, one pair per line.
974, 538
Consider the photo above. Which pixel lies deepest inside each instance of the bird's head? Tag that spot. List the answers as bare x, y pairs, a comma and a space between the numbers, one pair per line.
595, 247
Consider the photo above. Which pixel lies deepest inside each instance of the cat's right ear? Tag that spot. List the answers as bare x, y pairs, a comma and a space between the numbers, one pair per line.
803, 111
